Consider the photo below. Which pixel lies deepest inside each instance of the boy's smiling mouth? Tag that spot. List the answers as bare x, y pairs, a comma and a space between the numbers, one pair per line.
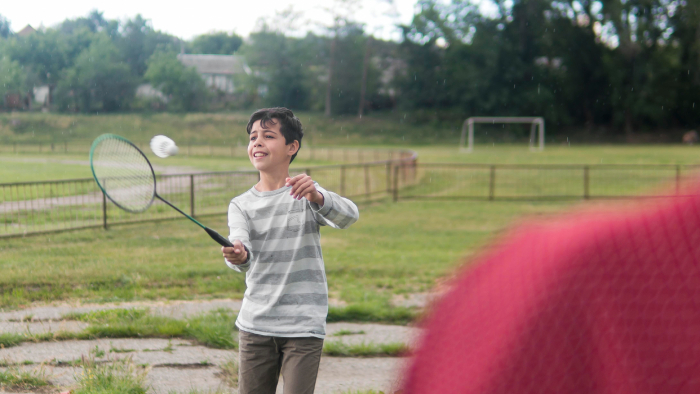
259, 154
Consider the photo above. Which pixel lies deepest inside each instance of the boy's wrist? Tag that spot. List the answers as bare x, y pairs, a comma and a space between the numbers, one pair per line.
318, 199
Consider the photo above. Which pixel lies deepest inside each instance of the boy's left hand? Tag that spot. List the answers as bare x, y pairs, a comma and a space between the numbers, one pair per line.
303, 186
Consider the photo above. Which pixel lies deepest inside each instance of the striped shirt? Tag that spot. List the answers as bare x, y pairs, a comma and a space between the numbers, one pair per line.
287, 292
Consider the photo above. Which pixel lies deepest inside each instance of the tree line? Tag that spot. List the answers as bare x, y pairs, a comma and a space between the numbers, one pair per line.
617, 65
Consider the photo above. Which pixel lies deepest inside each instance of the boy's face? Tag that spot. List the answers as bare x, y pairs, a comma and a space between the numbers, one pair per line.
267, 148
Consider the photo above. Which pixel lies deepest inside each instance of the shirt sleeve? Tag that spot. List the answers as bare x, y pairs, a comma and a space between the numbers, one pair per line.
337, 212
239, 230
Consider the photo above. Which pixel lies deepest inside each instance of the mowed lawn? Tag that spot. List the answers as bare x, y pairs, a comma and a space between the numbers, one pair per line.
395, 248
28, 167
32, 167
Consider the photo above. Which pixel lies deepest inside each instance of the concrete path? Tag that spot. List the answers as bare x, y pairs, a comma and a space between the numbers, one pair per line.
180, 365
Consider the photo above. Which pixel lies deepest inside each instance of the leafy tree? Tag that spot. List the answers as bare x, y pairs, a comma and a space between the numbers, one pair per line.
4, 27
279, 64
45, 54
12, 78
220, 43
183, 86
98, 81
139, 41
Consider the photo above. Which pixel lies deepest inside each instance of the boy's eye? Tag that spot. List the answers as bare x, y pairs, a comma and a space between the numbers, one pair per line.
252, 138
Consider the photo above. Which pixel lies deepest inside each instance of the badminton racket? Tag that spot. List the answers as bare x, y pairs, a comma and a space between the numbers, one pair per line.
126, 177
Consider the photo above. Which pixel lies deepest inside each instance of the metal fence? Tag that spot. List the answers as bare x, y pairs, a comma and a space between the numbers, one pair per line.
40, 207
545, 182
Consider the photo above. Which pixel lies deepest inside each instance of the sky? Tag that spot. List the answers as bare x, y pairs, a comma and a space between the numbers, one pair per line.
191, 18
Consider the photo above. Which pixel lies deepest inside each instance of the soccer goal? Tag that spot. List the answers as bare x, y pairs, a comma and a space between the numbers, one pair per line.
536, 126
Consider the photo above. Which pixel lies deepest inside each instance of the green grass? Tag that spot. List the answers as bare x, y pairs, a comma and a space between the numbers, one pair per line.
31, 167
116, 377
341, 349
393, 249
14, 378
342, 333
218, 128
229, 372
10, 339
214, 329
562, 154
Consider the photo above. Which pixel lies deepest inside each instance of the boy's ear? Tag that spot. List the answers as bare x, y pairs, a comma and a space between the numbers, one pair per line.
293, 147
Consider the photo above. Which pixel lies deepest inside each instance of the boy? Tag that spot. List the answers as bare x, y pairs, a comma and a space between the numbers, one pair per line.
275, 232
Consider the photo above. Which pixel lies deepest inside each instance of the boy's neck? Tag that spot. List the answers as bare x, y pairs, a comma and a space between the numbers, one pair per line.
272, 180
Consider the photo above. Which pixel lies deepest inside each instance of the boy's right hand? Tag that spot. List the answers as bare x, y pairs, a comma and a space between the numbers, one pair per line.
235, 255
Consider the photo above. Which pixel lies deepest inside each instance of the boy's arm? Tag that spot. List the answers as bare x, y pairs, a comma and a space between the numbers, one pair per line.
329, 209
239, 231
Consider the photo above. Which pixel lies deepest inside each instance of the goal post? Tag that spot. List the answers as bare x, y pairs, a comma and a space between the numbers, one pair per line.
536, 126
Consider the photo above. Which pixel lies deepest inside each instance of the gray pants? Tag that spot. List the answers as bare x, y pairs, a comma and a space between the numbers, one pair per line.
263, 359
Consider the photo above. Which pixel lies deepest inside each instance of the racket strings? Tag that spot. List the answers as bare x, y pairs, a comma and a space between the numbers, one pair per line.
124, 174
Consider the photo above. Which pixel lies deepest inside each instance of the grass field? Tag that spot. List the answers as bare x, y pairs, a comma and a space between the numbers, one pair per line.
393, 249
27, 167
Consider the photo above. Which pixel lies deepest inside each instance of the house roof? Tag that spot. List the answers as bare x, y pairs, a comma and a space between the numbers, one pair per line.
27, 30
215, 64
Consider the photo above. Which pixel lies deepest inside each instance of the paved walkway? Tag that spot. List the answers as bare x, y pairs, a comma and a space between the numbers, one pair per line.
180, 365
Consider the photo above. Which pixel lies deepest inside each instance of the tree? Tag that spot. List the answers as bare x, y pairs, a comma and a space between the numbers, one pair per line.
98, 81
183, 86
139, 41
220, 43
282, 65
12, 78
4, 27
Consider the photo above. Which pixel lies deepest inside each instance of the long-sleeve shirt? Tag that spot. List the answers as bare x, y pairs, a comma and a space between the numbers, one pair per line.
287, 292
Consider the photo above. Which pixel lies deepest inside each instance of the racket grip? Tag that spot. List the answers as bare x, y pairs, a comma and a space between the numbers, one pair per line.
223, 241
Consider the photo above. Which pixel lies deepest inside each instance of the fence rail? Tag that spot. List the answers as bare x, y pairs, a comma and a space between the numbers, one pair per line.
542, 182
39, 207
51, 206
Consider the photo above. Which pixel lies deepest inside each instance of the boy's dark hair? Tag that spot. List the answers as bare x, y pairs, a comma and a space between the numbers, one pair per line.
290, 125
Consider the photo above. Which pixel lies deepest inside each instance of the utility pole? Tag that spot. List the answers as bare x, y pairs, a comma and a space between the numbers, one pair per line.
363, 84
331, 65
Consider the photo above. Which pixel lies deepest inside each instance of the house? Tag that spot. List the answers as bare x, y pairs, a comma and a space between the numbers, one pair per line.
218, 71
27, 31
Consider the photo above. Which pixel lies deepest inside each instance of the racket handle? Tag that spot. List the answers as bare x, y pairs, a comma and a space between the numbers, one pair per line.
223, 241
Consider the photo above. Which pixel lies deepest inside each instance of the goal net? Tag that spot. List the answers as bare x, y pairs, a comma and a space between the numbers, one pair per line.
536, 130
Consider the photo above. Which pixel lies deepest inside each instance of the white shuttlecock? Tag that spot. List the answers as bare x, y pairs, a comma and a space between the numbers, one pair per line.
163, 146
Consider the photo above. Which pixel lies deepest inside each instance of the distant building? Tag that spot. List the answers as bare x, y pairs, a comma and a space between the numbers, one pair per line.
217, 70
27, 31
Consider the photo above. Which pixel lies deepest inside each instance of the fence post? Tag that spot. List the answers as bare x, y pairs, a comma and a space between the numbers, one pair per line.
367, 182
492, 183
52, 147
342, 180
586, 183
192, 195
65, 146
14, 150
396, 183
678, 179
388, 178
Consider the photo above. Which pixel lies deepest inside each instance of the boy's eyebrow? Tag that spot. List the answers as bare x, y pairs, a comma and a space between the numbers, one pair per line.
263, 131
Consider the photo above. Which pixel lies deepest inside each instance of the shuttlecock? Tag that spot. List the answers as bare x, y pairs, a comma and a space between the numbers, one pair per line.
163, 146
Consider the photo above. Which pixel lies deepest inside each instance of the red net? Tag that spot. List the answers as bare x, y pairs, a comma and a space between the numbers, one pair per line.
594, 303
